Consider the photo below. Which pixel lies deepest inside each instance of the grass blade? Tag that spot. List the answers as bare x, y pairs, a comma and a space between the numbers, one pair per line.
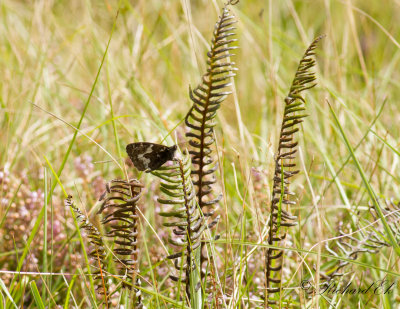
367, 185
36, 295
4, 288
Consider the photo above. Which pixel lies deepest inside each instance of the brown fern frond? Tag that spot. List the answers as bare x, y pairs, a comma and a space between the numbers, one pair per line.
119, 209
98, 253
207, 98
284, 170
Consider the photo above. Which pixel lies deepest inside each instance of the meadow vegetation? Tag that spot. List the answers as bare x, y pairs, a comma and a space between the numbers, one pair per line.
79, 82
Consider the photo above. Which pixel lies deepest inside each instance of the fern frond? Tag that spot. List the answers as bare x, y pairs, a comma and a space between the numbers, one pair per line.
98, 254
186, 221
284, 170
119, 209
353, 245
391, 210
207, 98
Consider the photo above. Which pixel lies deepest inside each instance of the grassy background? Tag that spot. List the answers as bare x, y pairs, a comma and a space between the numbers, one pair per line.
50, 54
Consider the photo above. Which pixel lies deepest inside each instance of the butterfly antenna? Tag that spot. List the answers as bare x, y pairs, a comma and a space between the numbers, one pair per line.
106, 161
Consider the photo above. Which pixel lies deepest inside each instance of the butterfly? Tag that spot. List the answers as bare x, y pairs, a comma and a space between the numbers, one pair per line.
149, 156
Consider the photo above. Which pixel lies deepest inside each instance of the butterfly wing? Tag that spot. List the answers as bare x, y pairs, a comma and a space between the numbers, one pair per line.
137, 152
149, 156
161, 155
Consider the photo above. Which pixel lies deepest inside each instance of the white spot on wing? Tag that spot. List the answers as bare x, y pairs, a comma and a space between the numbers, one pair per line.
142, 158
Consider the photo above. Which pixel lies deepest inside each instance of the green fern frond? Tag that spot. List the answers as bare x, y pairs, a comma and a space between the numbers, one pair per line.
179, 205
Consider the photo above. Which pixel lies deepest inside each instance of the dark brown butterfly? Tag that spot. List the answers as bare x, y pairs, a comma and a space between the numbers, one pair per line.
149, 156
